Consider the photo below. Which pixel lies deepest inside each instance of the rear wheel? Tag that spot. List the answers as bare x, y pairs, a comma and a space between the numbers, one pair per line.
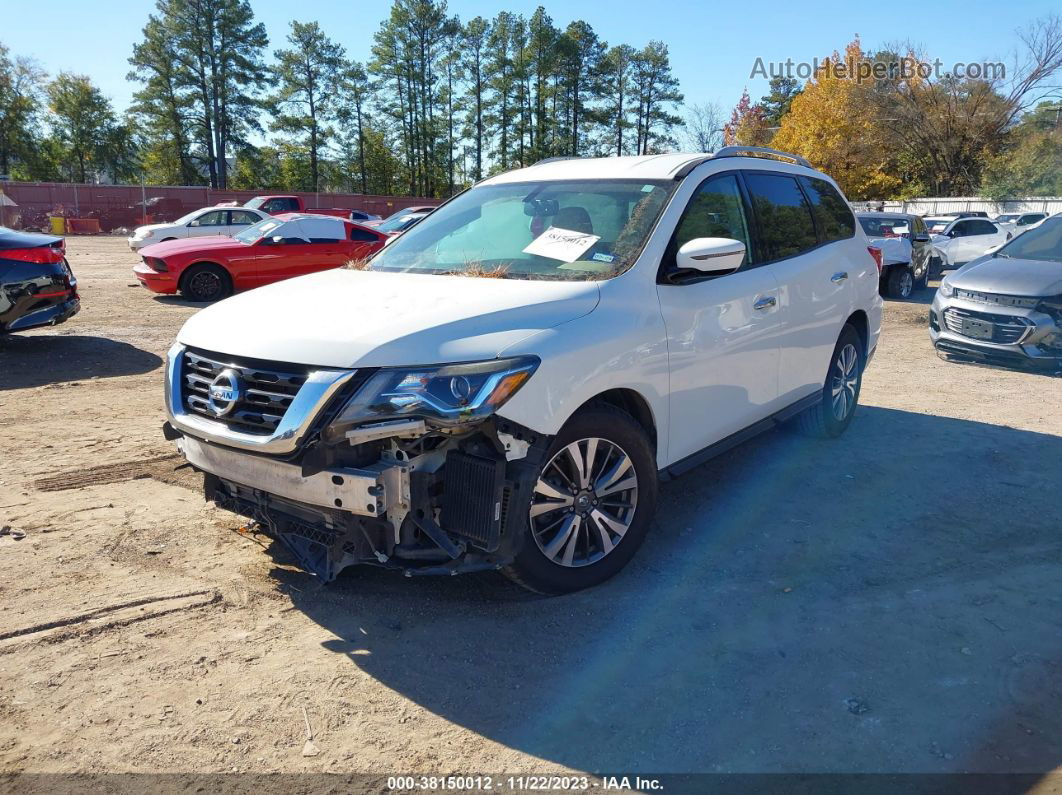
840, 394
206, 282
900, 282
591, 505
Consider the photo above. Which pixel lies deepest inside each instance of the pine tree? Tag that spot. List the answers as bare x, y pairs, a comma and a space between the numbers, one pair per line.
658, 91
306, 101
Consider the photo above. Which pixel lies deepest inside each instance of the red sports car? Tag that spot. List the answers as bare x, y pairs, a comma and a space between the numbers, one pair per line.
211, 268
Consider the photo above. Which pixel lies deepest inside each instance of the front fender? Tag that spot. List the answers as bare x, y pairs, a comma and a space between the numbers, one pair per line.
622, 344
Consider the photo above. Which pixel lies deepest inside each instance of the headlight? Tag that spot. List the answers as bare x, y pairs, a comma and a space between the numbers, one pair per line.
450, 394
946, 289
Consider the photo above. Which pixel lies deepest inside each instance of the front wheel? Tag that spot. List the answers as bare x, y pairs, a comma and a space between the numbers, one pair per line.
204, 283
840, 394
591, 504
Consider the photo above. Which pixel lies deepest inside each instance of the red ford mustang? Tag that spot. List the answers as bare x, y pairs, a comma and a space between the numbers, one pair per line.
210, 268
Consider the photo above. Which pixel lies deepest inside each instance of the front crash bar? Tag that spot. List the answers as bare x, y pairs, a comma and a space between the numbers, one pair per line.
369, 492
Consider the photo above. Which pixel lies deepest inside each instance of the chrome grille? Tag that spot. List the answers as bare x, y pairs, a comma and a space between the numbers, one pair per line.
1006, 329
265, 396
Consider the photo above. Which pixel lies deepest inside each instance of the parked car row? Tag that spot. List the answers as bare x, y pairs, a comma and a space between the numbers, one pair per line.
229, 218
274, 248
915, 248
1005, 307
467, 397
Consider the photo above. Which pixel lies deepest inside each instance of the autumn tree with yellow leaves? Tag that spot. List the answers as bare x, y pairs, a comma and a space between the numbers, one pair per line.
835, 123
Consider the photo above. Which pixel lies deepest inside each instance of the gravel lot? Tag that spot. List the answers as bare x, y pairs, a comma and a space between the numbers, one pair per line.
891, 601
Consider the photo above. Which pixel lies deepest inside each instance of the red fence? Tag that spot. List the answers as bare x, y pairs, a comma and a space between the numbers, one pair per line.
118, 206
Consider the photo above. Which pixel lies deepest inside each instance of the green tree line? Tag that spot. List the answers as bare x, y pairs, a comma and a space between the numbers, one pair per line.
435, 105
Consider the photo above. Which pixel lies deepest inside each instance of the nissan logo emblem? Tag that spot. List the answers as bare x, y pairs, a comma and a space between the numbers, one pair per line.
224, 392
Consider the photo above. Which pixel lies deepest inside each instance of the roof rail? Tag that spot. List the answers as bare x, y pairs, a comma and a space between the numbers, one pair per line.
761, 151
684, 170
554, 160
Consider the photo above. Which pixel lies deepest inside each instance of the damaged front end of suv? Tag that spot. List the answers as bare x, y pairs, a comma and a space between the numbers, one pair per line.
408, 468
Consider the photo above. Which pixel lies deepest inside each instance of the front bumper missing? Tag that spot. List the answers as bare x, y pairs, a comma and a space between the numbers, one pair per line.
443, 511
367, 492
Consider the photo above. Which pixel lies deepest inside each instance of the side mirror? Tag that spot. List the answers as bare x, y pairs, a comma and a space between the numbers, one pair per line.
712, 256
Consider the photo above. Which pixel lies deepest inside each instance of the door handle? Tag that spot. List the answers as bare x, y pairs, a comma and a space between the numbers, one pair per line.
765, 303
837, 278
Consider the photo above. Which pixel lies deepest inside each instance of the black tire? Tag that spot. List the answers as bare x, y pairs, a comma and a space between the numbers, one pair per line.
900, 282
821, 420
532, 568
205, 282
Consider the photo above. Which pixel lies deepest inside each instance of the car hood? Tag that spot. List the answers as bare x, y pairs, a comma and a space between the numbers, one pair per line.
1028, 277
346, 318
151, 228
190, 244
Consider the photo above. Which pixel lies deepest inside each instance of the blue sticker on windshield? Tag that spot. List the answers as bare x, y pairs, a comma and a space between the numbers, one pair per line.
599, 257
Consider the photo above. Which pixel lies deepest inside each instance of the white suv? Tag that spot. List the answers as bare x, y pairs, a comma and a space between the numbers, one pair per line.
503, 386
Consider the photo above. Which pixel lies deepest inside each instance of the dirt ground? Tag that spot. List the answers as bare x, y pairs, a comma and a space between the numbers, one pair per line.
891, 601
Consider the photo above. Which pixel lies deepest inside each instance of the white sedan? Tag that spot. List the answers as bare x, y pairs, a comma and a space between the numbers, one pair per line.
200, 223
965, 239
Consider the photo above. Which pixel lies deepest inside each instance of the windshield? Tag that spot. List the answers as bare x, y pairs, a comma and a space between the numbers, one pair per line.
883, 227
534, 230
1044, 242
398, 223
1005, 218
937, 224
256, 232
184, 219
256, 203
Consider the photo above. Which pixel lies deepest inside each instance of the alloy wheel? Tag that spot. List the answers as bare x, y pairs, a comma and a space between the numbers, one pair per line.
844, 380
906, 283
584, 502
205, 285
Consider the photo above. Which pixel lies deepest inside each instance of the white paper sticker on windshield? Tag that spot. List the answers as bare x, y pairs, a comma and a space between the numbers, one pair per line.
563, 244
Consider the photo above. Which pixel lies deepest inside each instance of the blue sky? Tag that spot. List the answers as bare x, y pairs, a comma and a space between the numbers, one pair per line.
713, 46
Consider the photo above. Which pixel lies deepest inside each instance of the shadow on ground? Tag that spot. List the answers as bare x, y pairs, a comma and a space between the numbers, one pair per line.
36, 360
889, 601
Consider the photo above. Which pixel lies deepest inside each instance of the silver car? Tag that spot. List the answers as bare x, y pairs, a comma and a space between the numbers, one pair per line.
1005, 307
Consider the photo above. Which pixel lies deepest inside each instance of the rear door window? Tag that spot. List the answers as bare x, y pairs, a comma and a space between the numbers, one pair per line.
242, 218
832, 213
783, 214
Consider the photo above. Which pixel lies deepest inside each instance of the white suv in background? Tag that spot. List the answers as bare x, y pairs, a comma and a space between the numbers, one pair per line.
503, 386
966, 239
